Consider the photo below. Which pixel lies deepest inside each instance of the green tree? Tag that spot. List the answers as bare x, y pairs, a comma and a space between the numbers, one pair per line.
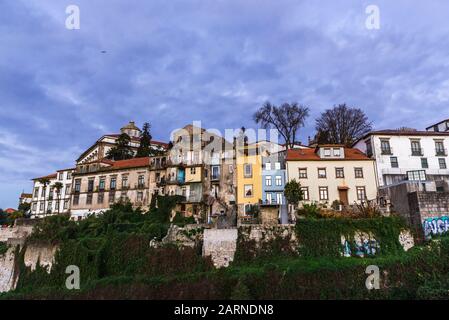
3, 217
293, 192
122, 149
145, 149
58, 187
24, 207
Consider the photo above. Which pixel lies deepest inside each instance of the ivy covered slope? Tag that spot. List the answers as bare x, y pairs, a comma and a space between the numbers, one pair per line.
117, 262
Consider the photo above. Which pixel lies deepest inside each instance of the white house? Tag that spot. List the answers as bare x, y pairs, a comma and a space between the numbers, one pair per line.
407, 154
48, 199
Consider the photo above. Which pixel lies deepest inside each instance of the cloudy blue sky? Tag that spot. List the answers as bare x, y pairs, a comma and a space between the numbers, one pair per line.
171, 62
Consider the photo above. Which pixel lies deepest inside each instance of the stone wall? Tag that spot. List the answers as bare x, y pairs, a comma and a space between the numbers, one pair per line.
220, 245
34, 253
265, 233
430, 212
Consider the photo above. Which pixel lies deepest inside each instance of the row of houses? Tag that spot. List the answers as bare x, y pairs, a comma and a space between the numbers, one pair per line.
217, 177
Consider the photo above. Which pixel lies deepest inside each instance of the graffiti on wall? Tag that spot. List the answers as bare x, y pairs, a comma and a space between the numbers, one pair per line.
435, 226
363, 244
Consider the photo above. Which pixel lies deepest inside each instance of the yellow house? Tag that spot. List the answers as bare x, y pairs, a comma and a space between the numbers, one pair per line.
249, 179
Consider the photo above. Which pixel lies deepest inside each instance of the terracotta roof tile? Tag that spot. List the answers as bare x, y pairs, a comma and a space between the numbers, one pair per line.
50, 176
310, 154
130, 163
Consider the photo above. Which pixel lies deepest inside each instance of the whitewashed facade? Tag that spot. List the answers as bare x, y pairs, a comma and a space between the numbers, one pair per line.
407, 155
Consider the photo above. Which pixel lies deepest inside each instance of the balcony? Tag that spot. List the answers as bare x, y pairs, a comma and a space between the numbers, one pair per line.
418, 152
440, 152
140, 186
386, 151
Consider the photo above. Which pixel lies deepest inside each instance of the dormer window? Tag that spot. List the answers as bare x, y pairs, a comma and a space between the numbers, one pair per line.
337, 152
327, 152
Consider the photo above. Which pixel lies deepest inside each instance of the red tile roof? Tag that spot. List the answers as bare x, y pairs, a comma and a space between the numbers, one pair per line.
311, 155
50, 176
130, 163
26, 195
10, 210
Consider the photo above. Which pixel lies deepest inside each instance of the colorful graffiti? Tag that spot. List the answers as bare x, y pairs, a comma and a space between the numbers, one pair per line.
362, 245
435, 226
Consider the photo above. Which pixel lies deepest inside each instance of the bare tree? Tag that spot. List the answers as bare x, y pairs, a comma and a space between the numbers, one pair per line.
342, 125
287, 119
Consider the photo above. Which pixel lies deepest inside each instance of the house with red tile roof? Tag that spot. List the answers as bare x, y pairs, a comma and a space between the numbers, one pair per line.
332, 172
107, 182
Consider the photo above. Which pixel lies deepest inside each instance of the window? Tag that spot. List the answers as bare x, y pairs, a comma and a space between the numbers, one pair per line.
269, 198
66, 204
416, 175
305, 193
90, 185
43, 192
102, 184
141, 181
385, 147
77, 185
361, 193
139, 196
248, 189
439, 148
268, 180
36, 192
278, 180
49, 206
111, 197
248, 170
100, 198
215, 172
322, 173
57, 205
303, 173
336, 152
41, 207
268, 166
277, 166
67, 189
424, 163
358, 172
442, 163
34, 207
369, 148
113, 183
193, 170
416, 148
327, 152
339, 173
125, 182
76, 199
89, 199
61, 176
394, 162
324, 195
279, 198
69, 175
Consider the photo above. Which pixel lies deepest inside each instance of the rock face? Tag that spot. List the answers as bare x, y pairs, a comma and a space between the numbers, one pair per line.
220, 245
7, 281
